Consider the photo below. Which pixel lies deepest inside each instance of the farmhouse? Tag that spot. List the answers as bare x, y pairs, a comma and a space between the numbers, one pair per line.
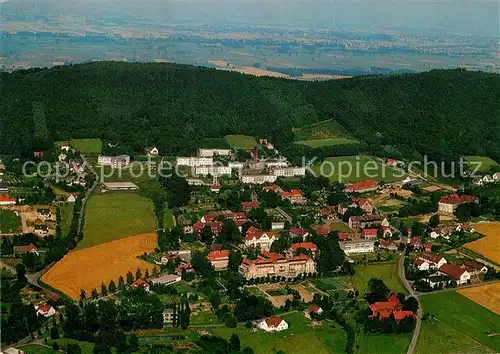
362, 187
421, 264
71, 198
461, 275
45, 310
114, 161
213, 152
496, 176
298, 232
273, 324
258, 238
194, 161
449, 203
273, 264
120, 186
212, 170
474, 268
295, 196
166, 279
31, 248
363, 221
219, 259
357, 246
6, 200
383, 310
434, 261
289, 171
313, 309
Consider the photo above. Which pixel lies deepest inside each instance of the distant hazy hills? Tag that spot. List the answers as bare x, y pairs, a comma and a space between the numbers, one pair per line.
440, 113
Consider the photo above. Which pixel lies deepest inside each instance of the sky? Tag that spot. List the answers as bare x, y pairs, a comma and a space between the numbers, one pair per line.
464, 17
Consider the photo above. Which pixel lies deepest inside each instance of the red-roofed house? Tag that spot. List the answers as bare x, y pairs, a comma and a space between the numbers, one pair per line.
6, 200
323, 231
386, 232
326, 213
295, 196
388, 245
461, 275
474, 268
250, 205
313, 309
45, 310
298, 232
449, 203
362, 187
140, 283
215, 226
421, 264
305, 245
343, 236
392, 162
434, 260
219, 259
258, 238
428, 247
273, 188
31, 248
38, 153
364, 204
273, 324
383, 310
184, 267
370, 233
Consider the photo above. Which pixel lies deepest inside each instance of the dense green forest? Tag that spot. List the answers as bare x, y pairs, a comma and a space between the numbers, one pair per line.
440, 113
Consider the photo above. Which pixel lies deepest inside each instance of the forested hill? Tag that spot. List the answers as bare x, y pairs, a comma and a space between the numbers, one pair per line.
175, 106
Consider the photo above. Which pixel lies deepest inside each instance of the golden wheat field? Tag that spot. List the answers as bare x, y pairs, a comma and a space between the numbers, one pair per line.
488, 246
487, 296
89, 267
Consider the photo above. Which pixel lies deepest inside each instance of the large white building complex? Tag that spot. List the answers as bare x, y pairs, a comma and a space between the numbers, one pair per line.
289, 171
213, 152
212, 170
194, 161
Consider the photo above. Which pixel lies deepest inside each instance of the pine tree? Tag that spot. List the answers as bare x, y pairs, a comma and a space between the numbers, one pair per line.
130, 278
95, 294
83, 295
146, 275
175, 316
138, 274
112, 286
121, 283
104, 290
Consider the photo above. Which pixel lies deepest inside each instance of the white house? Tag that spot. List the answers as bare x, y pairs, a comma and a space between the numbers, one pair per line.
258, 179
488, 179
273, 324
65, 146
151, 151
496, 176
461, 275
62, 156
71, 198
114, 161
313, 309
236, 165
421, 264
358, 246
477, 181
45, 310
434, 261
258, 238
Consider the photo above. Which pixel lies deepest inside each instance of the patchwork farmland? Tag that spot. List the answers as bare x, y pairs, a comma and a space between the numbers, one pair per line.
87, 268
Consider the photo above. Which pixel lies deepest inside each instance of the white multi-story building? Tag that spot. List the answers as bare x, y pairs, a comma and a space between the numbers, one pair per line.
236, 165
212, 170
289, 171
194, 161
213, 152
358, 246
114, 161
275, 163
257, 179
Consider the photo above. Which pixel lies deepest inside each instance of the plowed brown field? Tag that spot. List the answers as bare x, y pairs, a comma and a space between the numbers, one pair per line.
89, 267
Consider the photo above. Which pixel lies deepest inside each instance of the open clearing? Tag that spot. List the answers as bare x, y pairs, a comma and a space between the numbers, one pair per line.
388, 272
328, 129
487, 296
298, 339
464, 316
241, 142
113, 216
326, 142
486, 163
488, 246
357, 168
86, 146
87, 268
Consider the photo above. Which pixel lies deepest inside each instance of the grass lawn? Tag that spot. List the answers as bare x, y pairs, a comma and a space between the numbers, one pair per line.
388, 272
299, 338
86, 347
87, 146
36, 349
241, 142
203, 318
168, 221
464, 316
9, 222
113, 216
486, 162
380, 343
340, 227
438, 337
66, 211
356, 168
326, 142
332, 283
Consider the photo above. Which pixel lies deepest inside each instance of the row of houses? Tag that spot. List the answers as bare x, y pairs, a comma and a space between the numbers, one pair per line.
481, 181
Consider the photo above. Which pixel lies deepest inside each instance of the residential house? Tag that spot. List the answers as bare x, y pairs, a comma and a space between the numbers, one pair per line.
114, 161
386, 232
65, 146
44, 213
6, 200
31, 248
215, 226
392, 307
295, 196
449, 203
250, 205
298, 232
357, 246
323, 231
477, 181
434, 260
194, 161
45, 310
461, 275
62, 157
186, 267
421, 264
273, 264
474, 268
444, 232
326, 213
415, 242
168, 315
71, 198
392, 162
151, 151
258, 238
496, 176
313, 309
38, 153
488, 179
367, 220
362, 187
273, 324
140, 283
362, 203
219, 259
304, 245
274, 188
388, 245
370, 234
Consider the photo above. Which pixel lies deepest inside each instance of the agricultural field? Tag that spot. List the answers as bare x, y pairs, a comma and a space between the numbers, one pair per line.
356, 168
113, 216
486, 163
371, 343
329, 129
463, 316
488, 246
87, 146
10, 222
326, 142
241, 142
66, 211
388, 272
87, 268
487, 296
299, 338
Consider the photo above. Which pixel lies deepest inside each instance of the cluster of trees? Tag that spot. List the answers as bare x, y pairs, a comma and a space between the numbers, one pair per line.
218, 345
182, 314
380, 111
252, 307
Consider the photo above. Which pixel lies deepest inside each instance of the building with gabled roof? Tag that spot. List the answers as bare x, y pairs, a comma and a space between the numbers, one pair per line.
434, 260
461, 275
384, 309
250, 205
313, 309
219, 259
262, 239
304, 245
449, 203
362, 186
31, 248
298, 232
45, 310
295, 196
273, 324
370, 234
140, 283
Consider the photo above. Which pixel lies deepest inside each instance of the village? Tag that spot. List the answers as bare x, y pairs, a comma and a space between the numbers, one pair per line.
252, 244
